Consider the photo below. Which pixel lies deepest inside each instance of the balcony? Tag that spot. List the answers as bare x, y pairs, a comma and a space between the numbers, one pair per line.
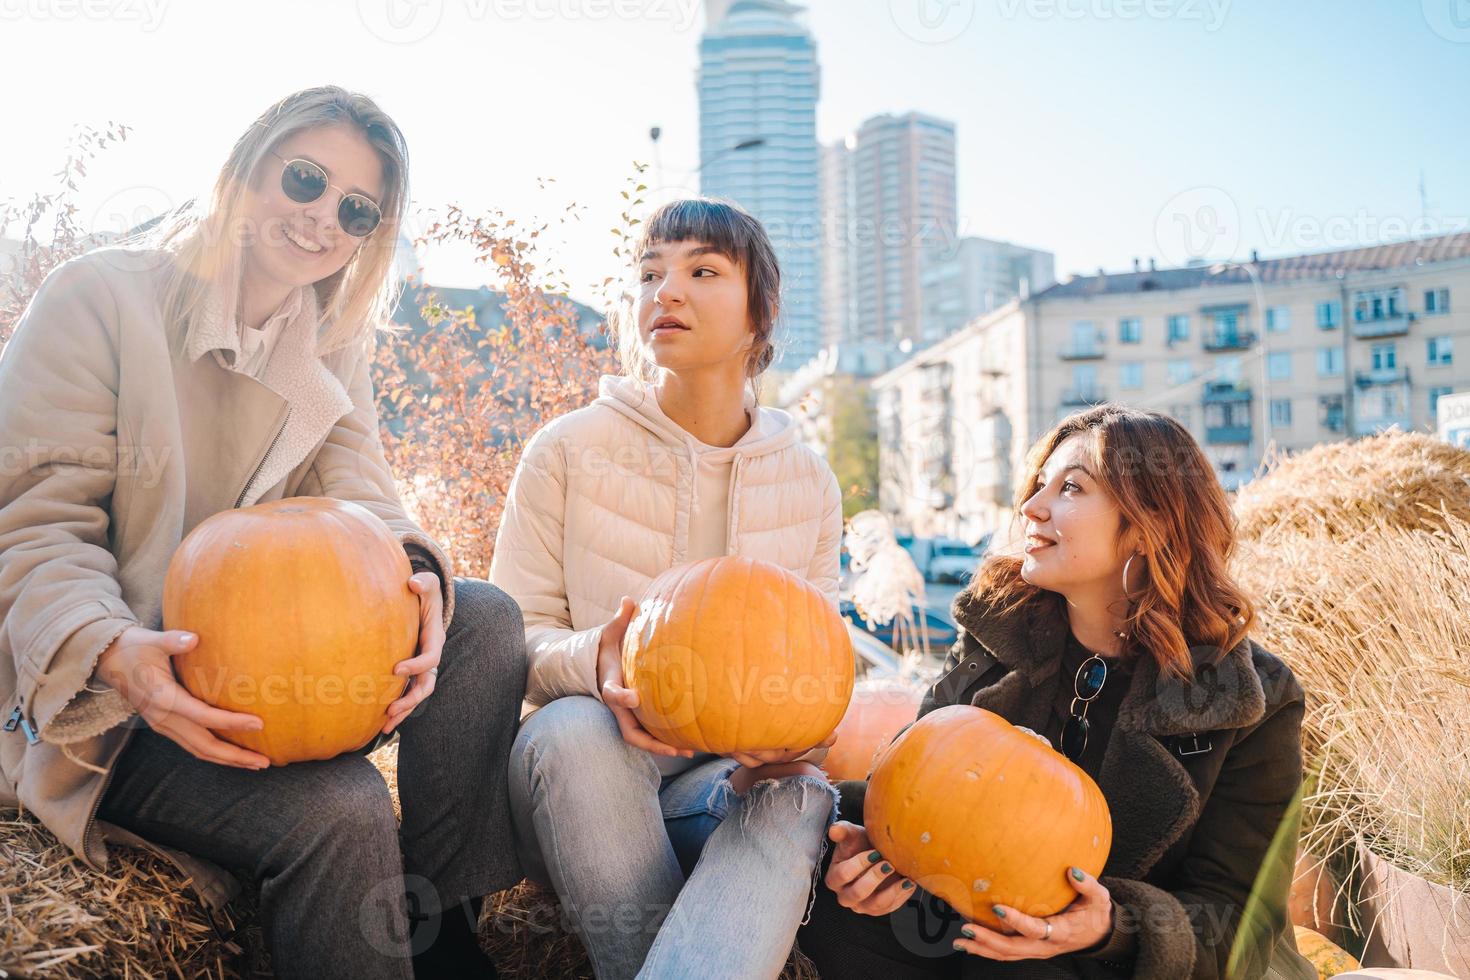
1083, 352
1389, 326
1082, 397
1230, 340
1228, 435
1220, 392
1382, 376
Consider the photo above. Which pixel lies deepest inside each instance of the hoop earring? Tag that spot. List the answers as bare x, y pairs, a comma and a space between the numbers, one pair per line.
1125, 573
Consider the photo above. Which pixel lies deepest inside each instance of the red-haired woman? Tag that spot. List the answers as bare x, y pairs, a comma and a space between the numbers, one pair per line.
1121, 638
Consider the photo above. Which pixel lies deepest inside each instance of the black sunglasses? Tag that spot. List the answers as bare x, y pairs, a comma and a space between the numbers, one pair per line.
1088, 684
303, 182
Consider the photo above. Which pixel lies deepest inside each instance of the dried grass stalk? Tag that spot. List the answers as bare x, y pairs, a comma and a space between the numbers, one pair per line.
1376, 628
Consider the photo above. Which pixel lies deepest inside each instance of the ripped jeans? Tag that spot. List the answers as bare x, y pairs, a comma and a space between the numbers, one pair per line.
595, 820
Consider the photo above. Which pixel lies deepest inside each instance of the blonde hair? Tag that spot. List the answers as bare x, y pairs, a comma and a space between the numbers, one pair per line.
735, 234
208, 257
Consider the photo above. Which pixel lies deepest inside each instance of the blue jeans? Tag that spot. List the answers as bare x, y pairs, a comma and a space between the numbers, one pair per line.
594, 819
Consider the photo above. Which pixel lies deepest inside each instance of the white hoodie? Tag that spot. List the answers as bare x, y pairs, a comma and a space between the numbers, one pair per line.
605, 499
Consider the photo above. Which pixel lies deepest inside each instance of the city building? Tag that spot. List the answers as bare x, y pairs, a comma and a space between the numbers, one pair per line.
758, 87
902, 214
1272, 353
976, 276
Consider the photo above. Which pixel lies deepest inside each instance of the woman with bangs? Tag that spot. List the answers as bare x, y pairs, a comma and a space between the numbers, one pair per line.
1120, 637
224, 362
668, 865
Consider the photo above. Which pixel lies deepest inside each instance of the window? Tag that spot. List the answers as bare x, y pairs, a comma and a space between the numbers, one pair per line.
1441, 351
1180, 372
1278, 319
1084, 337
1229, 369
1434, 396
1436, 301
1130, 374
1385, 357
1084, 379
1329, 315
1183, 414
1178, 328
1330, 412
1278, 366
1130, 330
1281, 413
1329, 362
1227, 324
1378, 304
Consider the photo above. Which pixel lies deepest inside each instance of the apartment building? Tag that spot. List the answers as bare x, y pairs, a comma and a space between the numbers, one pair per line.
1285, 353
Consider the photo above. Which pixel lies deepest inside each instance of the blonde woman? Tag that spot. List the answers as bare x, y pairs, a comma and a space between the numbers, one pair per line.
669, 866
222, 365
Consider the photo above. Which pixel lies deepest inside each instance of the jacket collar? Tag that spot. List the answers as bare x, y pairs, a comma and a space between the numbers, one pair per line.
1224, 691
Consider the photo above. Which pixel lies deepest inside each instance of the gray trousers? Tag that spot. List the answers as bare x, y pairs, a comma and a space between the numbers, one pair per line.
321, 838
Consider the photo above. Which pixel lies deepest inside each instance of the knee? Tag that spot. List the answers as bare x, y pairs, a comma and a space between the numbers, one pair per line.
480, 605
488, 625
582, 731
346, 807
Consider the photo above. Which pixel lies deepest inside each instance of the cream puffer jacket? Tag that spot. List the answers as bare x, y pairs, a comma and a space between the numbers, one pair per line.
600, 505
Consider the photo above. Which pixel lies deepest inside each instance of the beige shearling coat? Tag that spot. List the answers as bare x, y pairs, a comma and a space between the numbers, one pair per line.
117, 437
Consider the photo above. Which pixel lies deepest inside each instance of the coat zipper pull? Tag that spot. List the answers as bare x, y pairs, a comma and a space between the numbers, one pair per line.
18, 720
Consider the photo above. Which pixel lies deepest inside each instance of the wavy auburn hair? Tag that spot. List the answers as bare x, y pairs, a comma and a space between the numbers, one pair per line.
1168, 493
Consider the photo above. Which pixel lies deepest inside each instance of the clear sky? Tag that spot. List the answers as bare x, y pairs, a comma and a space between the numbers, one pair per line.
1098, 129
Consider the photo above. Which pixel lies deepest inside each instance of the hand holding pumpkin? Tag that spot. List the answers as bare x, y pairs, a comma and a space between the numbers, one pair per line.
138, 665
619, 699
1081, 925
421, 667
858, 875
756, 758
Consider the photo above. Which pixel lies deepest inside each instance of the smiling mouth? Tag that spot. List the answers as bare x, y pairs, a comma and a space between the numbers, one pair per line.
310, 248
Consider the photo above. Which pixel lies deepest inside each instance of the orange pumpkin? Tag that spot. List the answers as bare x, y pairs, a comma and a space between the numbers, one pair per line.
980, 813
877, 713
302, 609
737, 655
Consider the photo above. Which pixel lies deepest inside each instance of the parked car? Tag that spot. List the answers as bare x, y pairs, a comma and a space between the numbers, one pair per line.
952, 560
874, 658
941, 632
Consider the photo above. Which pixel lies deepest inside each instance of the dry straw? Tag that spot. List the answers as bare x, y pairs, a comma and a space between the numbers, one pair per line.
1358, 555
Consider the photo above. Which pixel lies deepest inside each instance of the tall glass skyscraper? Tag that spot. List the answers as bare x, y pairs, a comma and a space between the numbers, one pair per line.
759, 80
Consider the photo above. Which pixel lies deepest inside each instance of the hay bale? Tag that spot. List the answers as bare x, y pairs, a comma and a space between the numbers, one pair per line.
1338, 488
59, 918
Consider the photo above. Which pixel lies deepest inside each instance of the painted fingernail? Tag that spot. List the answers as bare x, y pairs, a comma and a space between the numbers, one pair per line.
886, 867
967, 932
1000, 913
1077, 873
874, 857
908, 885
959, 946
